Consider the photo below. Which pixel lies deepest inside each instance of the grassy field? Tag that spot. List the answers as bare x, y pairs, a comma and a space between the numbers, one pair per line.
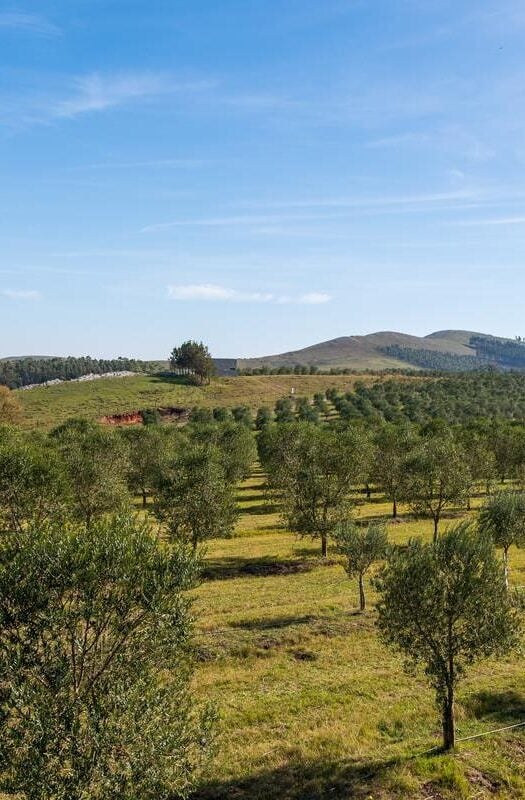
48, 406
311, 703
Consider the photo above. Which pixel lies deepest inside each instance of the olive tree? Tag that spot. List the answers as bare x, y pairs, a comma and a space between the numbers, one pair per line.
436, 477
96, 464
95, 665
503, 517
314, 468
361, 547
444, 606
393, 446
33, 485
194, 500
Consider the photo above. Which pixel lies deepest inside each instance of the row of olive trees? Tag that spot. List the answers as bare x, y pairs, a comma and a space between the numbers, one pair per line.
316, 469
95, 622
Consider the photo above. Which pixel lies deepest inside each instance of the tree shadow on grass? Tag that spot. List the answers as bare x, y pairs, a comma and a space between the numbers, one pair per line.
225, 568
261, 509
303, 781
273, 622
505, 707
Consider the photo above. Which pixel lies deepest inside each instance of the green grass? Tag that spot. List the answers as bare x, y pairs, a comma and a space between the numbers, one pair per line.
312, 705
48, 406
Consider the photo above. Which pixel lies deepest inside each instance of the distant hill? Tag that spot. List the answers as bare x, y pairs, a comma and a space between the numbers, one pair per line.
447, 350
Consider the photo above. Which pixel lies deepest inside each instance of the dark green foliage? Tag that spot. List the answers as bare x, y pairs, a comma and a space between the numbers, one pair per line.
96, 466
284, 410
95, 665
435, 360
457, 399
194, 500
436, 477
361, 547
193, 358
33, 482
233, 445
147, 452
263, 418
150, 416
201, 415
221, 414
500, 351
243, 415
305, 411
25, 371
394, 444
315, 469
445, 606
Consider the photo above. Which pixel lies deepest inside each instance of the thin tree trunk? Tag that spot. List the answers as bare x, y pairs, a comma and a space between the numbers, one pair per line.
436, 527
506, 566
362, 600
368, 492
449, 723
394, 509
324, 545
144, 499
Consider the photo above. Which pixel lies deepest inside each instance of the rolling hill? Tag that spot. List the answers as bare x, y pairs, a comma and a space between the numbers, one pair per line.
373, 351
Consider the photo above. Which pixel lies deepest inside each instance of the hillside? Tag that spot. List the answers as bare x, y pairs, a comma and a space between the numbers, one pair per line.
367, 352
48, 406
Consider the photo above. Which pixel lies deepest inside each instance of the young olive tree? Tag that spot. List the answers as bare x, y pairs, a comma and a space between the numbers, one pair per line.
444, 606
147, 452
96, 467
393, 446
194, 500
361, 547
503, 518
436, 477
33, 484
95, 665
314, 468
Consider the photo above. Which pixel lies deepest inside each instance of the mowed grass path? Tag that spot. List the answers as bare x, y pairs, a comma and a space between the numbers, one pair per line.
48, 406
312, 705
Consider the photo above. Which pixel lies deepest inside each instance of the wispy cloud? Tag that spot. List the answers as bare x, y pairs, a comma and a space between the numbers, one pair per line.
213, 293
32, 23
475, 223
95, 92
449, 139
317, 210
20, 294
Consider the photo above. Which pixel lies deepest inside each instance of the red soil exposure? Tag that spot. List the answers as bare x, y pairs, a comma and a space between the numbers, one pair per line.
172, 414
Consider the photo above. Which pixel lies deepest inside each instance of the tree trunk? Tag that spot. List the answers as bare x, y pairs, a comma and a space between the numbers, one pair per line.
324, 545
368, 492
506, 566
449, 725
362, 600
144, 499
394, 508
436, 527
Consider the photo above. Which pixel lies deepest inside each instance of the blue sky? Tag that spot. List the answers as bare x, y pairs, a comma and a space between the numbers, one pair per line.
260, 174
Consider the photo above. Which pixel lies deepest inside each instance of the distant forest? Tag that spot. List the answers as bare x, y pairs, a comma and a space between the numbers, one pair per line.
435, 360
16, 373
490, 351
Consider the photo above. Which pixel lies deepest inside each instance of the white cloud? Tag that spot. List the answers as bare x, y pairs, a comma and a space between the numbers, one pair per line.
314, 298
495, 221
214, 293
20, 294
33, 23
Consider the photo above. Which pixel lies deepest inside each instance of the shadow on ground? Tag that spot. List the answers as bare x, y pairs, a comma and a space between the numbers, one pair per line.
303, 781
505, 707
227, 568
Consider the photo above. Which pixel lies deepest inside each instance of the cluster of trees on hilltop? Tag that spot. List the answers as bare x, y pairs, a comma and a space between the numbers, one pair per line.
435, 360
510, 354
16, 373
